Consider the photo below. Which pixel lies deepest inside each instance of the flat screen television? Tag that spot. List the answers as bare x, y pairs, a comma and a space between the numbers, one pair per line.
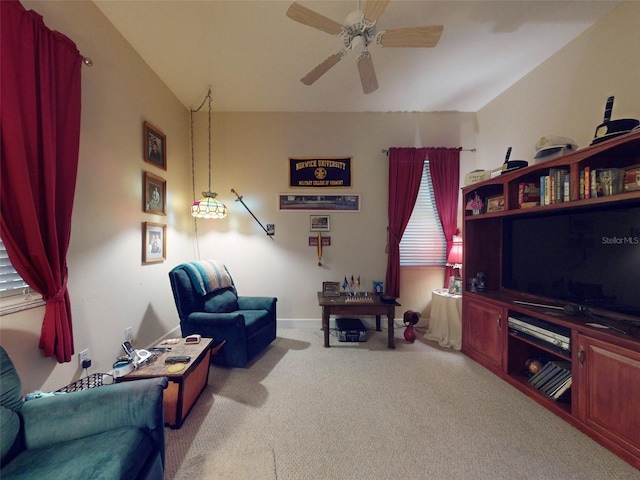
589, 258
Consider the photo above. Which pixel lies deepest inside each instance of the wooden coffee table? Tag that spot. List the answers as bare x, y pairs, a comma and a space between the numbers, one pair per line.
186, 385
340, 305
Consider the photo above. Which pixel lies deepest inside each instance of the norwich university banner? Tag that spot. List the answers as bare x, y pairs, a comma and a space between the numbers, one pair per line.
320, 172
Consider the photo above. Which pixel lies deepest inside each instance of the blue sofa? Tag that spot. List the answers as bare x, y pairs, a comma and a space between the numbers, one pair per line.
108, 432
246, 324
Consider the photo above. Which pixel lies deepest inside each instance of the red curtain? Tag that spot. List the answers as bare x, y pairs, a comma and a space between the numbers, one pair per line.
444, 167
405, 175
40, 137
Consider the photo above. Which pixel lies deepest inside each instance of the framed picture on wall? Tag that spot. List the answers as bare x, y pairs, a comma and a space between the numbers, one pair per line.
319, 223
154, 242
154, 144
155, 191
332, 202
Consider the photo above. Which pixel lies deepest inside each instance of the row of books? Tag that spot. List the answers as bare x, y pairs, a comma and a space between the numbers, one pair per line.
552, 188
555, 187
553, 379
608, 181
594, 182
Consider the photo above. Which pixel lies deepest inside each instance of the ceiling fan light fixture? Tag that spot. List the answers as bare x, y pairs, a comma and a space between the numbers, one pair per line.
358, 33
355, 18
358, 44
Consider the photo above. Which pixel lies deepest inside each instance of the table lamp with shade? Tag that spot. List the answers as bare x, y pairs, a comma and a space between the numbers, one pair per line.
454, 260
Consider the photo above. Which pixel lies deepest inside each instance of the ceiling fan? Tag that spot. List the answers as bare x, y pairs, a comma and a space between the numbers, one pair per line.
357, 34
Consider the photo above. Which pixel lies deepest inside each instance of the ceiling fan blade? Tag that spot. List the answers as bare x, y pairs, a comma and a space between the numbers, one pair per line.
308, 17
367, 73
410, 37
374, 8
323, 68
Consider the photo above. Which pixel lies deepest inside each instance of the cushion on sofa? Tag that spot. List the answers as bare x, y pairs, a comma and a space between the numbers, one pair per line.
11, 403
9, 429
224, 301
255, 320
110, 458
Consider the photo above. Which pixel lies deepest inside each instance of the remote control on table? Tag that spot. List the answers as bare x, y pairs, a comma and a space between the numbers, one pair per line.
177, 359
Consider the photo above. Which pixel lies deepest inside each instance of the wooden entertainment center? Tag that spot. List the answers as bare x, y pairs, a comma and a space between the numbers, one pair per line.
605, 364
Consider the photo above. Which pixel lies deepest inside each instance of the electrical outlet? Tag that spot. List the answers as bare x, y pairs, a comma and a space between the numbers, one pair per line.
82, 356
128, 334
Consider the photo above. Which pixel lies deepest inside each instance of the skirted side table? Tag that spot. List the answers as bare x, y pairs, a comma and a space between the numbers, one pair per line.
445, 324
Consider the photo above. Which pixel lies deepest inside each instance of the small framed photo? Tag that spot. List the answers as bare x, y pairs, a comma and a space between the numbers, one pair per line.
155, 192
378, 287
455, 286
154, 242
331, 289
495, 204
154, 146
319, 223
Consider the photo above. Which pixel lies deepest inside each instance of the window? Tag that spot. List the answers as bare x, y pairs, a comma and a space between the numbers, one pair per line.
15, 294
423, 243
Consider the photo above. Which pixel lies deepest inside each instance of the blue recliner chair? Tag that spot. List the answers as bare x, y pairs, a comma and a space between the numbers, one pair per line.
208, 304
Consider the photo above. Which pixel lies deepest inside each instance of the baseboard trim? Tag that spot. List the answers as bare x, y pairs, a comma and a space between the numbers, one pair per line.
313, 323
316, 323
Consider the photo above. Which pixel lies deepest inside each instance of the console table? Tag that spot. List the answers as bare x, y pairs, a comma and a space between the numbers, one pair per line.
338, 305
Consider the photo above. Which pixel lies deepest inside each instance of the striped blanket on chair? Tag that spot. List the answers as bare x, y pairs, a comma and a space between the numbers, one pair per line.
207, 275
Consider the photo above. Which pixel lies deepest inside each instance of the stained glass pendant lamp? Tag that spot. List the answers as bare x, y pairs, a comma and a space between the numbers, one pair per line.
207, 206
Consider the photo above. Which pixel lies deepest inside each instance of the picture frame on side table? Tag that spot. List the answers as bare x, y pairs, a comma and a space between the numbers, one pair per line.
155, 193
154, 242
378, 287
319, 223
331, 289
154, 146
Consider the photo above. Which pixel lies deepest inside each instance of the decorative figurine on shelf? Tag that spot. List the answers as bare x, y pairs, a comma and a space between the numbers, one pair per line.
410, 319
533, 365
475, 204
482, 282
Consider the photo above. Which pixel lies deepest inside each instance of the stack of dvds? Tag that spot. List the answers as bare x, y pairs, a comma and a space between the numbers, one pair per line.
554, 379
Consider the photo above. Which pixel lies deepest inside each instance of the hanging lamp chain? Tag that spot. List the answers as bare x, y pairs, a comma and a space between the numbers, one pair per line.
207, 99
208, 206
210, 100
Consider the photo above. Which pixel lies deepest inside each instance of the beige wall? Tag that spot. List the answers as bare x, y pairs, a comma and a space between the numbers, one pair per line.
566, 95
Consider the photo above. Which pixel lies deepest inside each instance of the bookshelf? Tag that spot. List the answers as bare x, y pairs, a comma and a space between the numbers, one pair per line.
600, 403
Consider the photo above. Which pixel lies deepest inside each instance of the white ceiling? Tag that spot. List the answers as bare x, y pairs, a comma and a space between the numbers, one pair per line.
253, 56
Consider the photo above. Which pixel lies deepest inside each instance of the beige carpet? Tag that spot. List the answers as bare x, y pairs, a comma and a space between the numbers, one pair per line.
361, 411
250, 462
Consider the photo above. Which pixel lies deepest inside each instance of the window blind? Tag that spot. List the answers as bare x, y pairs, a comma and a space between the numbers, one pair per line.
10, 282
423, 242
